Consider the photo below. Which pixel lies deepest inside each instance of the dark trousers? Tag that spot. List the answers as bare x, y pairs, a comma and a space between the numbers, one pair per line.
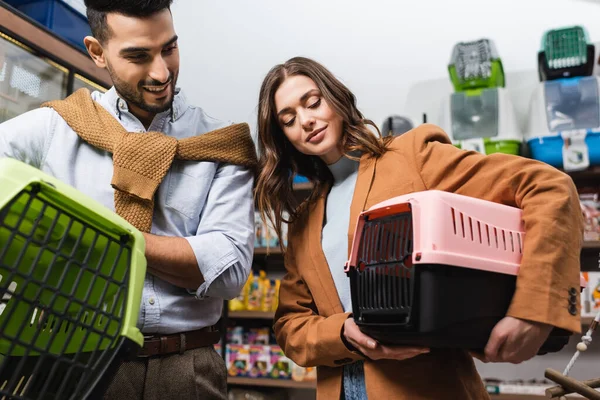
196, 374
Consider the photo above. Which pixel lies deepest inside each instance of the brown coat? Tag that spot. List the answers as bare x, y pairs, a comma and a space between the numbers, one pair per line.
309, 319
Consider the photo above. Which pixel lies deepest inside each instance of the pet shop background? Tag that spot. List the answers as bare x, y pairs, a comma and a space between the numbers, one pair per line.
393, 55
381, 49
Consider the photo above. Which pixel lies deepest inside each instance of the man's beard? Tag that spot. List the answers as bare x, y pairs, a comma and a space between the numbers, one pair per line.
135, 96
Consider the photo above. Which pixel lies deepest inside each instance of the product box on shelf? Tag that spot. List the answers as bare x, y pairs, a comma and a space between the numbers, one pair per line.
281, 366
590, 207
265, 235
590, 297
258, 294
238, 359
260, 361
256, 361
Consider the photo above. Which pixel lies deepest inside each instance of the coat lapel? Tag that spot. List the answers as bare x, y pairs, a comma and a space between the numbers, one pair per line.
364, 181
315, 228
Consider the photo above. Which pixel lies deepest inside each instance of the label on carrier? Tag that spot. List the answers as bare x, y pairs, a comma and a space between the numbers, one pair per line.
576, 155
475, 144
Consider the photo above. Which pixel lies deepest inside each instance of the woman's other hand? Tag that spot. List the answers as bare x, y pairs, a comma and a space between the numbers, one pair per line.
370, 348
515, 340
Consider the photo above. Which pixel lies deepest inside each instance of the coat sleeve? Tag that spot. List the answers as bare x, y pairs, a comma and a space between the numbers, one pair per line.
306, 337
548, 283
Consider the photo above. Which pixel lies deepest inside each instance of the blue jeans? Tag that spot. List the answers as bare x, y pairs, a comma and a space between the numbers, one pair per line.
353, 382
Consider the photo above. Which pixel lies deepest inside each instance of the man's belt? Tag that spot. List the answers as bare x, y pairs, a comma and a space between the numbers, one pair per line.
158, 345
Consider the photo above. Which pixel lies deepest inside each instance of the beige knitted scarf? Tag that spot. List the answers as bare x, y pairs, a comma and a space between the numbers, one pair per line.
141, 160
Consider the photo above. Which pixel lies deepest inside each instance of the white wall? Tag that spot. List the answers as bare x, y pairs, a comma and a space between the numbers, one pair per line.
378, 48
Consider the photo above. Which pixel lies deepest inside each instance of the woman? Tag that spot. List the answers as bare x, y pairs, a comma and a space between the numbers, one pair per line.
309, 124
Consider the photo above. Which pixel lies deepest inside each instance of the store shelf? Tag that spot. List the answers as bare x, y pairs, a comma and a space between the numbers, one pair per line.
585, 321
516, 396
590, 173
263, 251
251, 314
526, 396
290, 384
591, 245
282, 383
303, 186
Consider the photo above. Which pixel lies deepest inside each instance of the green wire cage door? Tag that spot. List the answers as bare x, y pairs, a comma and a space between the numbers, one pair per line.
71, 278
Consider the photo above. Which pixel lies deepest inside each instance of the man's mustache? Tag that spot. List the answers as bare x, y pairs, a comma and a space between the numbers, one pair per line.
154, 82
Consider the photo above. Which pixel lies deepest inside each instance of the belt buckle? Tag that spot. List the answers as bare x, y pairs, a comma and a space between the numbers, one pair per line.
182, 342
146, 339
162, 344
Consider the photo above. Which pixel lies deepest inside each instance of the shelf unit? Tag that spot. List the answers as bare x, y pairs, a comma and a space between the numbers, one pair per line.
304, 186
516, 396
251, 315
264, 251
289, 384
591, 245
264, 382
591, 173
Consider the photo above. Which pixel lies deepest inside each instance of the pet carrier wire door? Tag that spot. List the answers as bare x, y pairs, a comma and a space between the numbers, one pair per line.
436, 269
71, 278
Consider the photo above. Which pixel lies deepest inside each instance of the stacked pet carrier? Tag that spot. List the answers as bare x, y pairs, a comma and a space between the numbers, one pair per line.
564, 119
396, 125
479, 114
436, 269
71, 278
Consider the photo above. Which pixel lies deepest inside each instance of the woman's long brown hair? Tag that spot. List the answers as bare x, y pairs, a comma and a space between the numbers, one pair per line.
279, 160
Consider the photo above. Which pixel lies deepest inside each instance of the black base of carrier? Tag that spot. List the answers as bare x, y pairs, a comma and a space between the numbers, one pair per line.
547, 74
435, 306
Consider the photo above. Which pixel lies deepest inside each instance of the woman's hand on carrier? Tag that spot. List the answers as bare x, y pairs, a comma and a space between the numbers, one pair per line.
515, 340
376, 351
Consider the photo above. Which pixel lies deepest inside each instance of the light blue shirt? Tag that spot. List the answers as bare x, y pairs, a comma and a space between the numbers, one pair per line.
334, 238
334, 241
209, 204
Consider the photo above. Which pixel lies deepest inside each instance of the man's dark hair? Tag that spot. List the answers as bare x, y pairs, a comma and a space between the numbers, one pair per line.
97, 10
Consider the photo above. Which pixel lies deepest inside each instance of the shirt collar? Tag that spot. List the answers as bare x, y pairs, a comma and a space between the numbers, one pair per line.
119, 106
342, 169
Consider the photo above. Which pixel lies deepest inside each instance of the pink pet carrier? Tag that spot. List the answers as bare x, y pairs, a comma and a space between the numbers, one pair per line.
437, 269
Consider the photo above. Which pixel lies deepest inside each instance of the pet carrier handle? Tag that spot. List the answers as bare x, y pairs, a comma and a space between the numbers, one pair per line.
16, 175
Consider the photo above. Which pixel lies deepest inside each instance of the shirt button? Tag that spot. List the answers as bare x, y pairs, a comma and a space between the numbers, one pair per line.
151, 301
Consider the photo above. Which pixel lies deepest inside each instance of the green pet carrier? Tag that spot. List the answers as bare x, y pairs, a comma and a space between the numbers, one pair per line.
565, 53
71, 279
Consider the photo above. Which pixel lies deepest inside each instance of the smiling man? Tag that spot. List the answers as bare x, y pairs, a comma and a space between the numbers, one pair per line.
199, 230
139, 49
